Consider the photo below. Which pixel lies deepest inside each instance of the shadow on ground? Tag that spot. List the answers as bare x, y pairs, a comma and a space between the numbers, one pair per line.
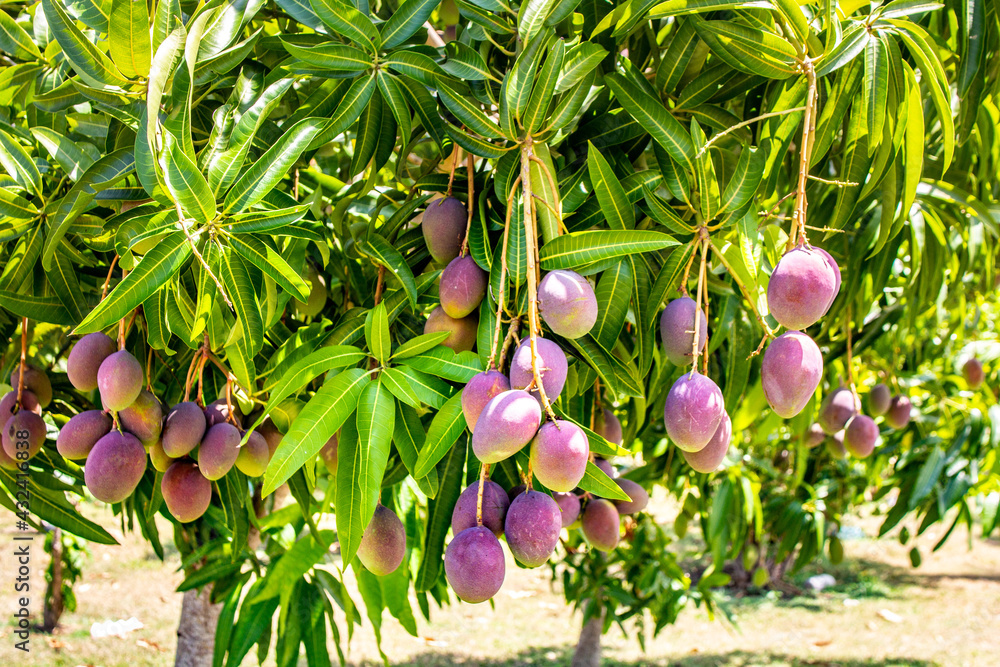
561, 656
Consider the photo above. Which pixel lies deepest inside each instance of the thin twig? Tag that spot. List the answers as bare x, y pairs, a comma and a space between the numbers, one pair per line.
484, 472
469, 168
797, 232
107, 281
828, 181
531, 240
197, 253
749, 121
503, 274
24, 364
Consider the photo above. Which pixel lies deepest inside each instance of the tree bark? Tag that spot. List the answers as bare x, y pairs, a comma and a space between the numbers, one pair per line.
54, 603
588, 648
196, 630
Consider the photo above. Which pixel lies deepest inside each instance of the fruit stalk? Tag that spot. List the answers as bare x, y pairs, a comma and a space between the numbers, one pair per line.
702, 286
484, 472
471, 204
503, 274
531, 246
107, 281
24, 363
797, 234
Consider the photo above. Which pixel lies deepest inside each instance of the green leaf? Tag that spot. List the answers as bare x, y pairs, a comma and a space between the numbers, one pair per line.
382, 252
355, 100
51, 505
419, 344
14, 41
322, 416
392, 95
332, 56
377, 333
578, 63
876, 87
361, 463
152, 272
292, 565
536, 112
439, 512
272, 166
610, 194
468, 113
416, 388
19, 165
91, 64
63, 281
579, 248
128, 37
747, 49
12, 206
443, 362
349, 22
654, 118
104, 173
918, 42
306, 370
854, 41
744, 182
531, 18
598, 483
614, 290
463, 62
41, 308
236, 279
268, 260
448, 424
408, 436
405, 21
681, 7
69, 156
186, 184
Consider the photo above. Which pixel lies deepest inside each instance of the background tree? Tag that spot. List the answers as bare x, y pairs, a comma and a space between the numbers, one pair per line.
256, 201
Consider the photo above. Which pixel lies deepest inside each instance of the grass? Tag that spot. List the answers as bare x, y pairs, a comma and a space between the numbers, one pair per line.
881, 613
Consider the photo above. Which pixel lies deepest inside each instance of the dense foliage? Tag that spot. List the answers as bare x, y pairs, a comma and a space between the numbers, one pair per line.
241, 193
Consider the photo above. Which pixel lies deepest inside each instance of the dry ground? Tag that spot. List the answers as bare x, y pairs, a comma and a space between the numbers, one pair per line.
882, 613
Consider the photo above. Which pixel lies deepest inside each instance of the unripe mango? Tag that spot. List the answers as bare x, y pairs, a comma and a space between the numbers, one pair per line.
677, 330
495, 504
559, 454
186, 492
532, 527
115, 466
508, 422
803, 285
443, 225
567, 303
35, 381
463, 286
879, 399
119, 380
601, 525
462, 332
86, 357
474, 564
81, 433
552, 367
478, 392
790, 372
708, 459
383, 544
639, 496
693, 411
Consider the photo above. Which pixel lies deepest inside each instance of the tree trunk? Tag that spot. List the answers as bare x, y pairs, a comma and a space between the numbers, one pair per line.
196, 630
54, 603
588, 649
